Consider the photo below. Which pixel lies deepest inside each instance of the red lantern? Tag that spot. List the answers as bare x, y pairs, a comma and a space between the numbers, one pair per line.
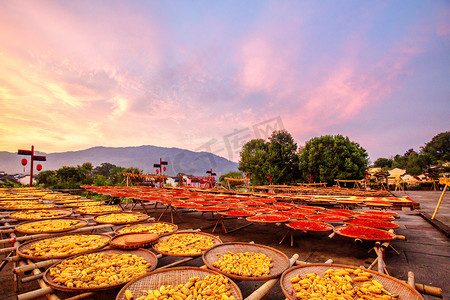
164, 169
157, 171
39, 167
24, 162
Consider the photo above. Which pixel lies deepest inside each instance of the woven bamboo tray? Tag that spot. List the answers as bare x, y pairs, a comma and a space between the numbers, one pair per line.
275, 219
172, 276
217, 241
82, 203
279, 260
79, 210
391, 284
175, 227
375, 224
146, 254
389, 236
35, 207
28, 244
81, 223
326, 227
143, 217
377, 217
134, 240
65, 213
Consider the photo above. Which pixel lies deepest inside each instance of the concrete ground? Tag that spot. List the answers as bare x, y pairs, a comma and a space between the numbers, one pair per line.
426, 251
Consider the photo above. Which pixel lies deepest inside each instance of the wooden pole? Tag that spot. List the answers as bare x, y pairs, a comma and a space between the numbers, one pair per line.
81, 296
35, 294
380, 259
411, 280
430, 290
31, 166
32, 266
440, 200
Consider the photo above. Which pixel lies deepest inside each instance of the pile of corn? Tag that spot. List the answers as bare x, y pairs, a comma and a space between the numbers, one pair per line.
338, 285
83, 203
87, 210
248, 264
59, 196
13, 202
158, 228
49, 225
98, 269
185, 244
119, 218
211, 287
24, 205
66, 245
36, 214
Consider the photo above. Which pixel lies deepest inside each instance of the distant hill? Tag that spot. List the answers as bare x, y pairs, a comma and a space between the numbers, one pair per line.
142, 157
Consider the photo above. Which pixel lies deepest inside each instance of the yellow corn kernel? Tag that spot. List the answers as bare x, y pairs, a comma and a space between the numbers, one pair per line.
361, 278
128, 295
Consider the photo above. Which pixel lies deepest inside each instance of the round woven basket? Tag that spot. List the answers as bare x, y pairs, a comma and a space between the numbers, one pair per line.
391, 284
142, 218
275, 219
326, 227
79, 210
81, 223
279, 260
28, 244
64, 213
166, 236
389, 236
118, 229
375, 224
134, 240
149, 256
172, 276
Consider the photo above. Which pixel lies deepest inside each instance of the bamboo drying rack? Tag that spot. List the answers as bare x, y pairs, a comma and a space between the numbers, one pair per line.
21, 266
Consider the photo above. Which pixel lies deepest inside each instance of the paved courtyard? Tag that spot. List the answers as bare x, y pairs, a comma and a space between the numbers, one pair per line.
425, 252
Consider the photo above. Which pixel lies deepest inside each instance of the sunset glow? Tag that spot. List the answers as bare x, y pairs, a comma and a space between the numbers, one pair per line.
78, 74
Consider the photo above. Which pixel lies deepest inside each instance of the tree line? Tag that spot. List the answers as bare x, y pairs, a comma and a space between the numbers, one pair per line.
278, 161
434, 153
329, 157
322, 159
85, 174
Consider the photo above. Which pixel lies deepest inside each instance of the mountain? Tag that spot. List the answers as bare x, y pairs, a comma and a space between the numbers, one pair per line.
142, 157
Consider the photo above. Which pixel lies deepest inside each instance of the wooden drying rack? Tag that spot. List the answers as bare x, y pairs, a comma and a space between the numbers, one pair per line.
21, 265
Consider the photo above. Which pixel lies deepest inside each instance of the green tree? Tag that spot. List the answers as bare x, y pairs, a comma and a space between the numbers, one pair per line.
438, 149
85, 171
384, 163
68, 178
100, 180
277, 157
331, 157
104, 169
47, 178
413, 162
254, 161
282, 157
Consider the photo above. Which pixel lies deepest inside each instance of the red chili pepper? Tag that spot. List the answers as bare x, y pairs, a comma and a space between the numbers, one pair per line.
237, 213
365, 232
372, 223
310, 225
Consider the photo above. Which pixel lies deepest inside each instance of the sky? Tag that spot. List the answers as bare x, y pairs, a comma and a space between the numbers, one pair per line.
212, 75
